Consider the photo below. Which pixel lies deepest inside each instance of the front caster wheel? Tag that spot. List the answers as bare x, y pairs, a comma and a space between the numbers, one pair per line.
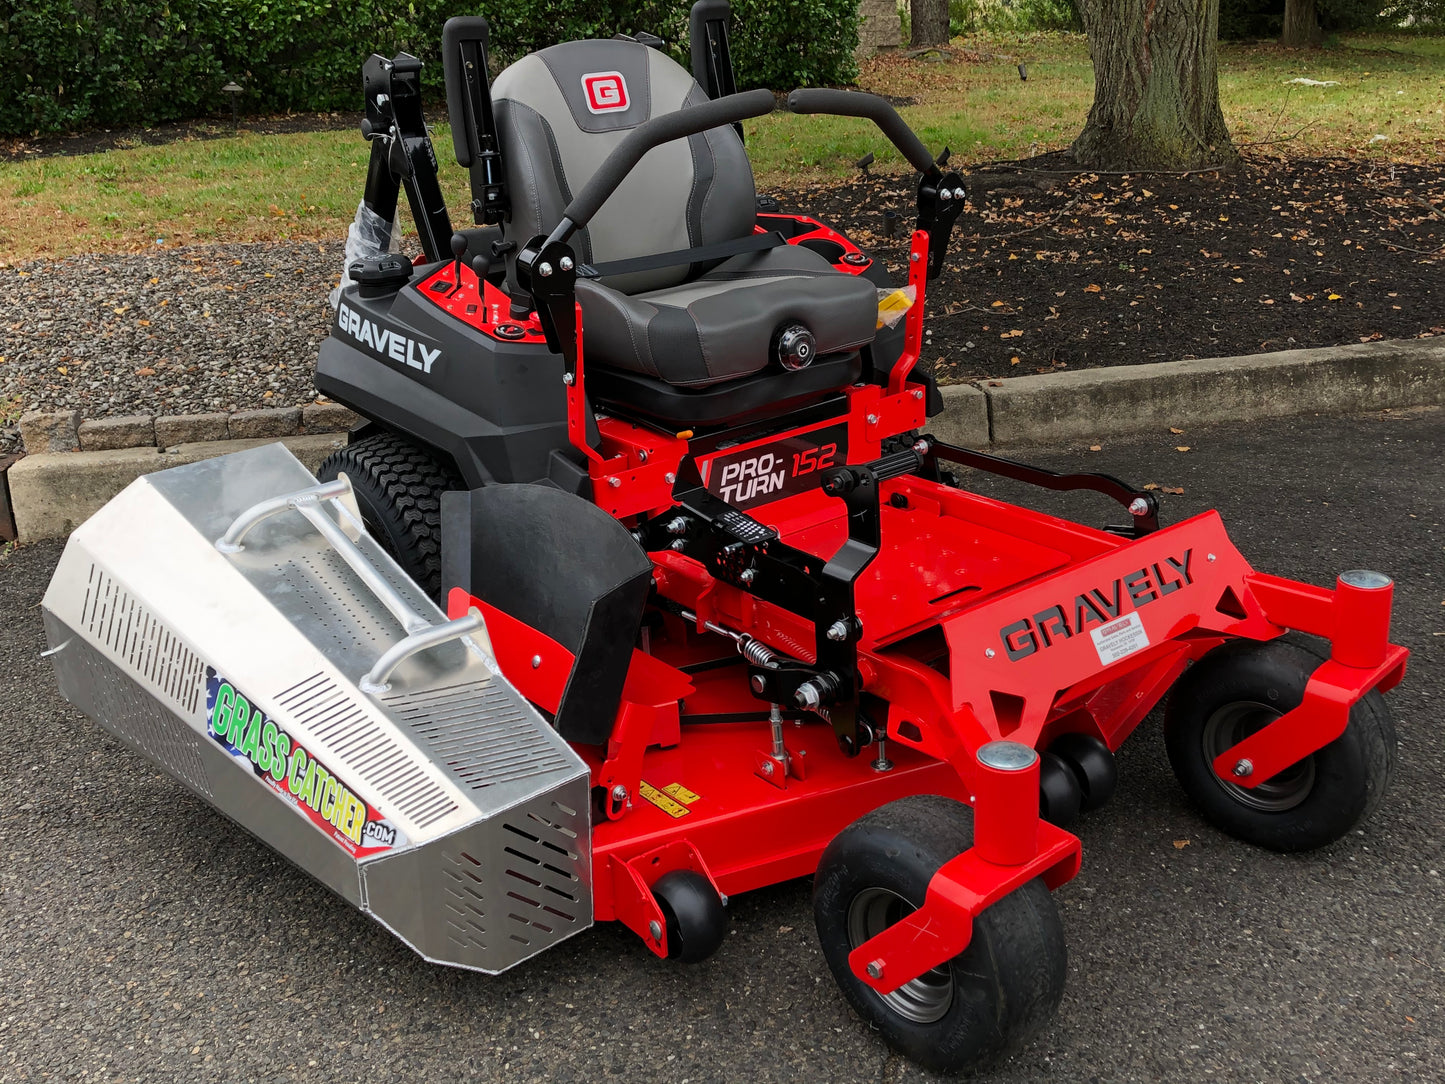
1001, 990
1238, 689
696, 919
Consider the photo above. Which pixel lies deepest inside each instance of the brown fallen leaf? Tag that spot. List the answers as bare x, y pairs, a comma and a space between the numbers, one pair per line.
1096, 447
995, 383
146, 371
1093, 288
1180, 844
1175, 431
1176, 490
1013, 360
1182, 448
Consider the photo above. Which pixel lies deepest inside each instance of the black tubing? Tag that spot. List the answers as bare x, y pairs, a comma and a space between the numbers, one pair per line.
458, 29
654, 133
854, 103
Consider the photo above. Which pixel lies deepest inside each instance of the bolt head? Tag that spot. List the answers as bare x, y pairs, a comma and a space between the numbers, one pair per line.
669, 477
945, 193
678, 545
959, 193
875, 969
565, 263
759, 684
989, 653
767, 767
536, 662
544, 269
1209, 557
614, 482
873, 419
569, 379
838, 631
748, 575
920, 446
1244, 768
917, 393
655, 928
1138, 507
619, 793
913, 257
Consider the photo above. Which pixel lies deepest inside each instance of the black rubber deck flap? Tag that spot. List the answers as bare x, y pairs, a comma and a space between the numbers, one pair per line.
566, 568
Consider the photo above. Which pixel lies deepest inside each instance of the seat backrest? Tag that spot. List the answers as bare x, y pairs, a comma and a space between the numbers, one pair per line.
561, 111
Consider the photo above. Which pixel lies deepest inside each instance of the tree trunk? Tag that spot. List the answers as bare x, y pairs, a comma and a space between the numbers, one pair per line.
1301, 25
929, 23
1156, 86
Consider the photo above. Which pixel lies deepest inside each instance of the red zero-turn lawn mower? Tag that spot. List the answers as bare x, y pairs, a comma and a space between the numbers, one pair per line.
719, 612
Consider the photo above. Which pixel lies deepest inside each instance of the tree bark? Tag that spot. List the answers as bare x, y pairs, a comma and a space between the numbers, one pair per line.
928, 23
1156, 86
1301, 25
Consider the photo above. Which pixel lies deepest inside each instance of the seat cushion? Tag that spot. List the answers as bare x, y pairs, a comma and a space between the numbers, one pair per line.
720, 326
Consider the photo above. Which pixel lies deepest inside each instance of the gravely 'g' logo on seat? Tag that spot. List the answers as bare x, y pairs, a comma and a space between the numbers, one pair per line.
606, 92
1099, 606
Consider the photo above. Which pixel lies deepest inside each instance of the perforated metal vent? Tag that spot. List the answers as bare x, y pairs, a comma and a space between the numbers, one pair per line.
339, 603
480, 730
532, 894
151, 650
542, 878
466, 900
134, 715
360, 743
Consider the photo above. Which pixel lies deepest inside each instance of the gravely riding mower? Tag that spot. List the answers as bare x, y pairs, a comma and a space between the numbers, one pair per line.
718, 612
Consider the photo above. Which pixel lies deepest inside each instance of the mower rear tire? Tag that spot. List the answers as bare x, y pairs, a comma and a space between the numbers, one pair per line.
399, 486
995, 995
1238, 689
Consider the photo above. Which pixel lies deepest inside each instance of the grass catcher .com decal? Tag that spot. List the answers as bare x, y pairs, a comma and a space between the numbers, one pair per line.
286, 766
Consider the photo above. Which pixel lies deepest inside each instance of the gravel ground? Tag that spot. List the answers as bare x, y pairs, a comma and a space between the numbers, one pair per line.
177, 331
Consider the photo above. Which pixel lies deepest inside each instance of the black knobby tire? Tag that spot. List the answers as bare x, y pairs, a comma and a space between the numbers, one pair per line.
1001, 990
1237, 689
398, 486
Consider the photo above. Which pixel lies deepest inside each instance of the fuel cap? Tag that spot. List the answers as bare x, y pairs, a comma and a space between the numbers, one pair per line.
794, 347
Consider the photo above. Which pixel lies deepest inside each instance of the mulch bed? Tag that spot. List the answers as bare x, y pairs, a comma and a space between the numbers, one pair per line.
1051, 268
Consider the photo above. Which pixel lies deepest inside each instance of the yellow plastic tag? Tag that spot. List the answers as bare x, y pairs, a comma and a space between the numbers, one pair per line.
893, 304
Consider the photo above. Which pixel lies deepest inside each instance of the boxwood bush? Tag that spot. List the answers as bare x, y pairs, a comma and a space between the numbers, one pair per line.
122, 63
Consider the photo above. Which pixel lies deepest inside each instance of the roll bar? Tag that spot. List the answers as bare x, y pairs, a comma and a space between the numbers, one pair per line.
855, 103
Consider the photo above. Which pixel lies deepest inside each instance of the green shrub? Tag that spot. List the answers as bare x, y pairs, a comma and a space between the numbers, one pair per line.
782, 44
122, 63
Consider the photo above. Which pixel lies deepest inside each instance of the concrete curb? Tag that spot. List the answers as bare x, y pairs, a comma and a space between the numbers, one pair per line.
1090, 403
52, 493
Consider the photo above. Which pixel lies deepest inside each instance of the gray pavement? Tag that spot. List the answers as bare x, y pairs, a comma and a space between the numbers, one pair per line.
142, 936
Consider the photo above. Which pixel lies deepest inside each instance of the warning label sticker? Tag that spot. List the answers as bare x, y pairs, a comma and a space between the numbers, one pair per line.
1120, 639
665, 801
681, 793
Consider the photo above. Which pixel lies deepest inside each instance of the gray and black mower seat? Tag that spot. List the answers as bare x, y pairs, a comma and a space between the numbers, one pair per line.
688, 325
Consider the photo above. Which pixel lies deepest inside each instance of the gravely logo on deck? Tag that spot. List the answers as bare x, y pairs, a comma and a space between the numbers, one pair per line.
1097, 606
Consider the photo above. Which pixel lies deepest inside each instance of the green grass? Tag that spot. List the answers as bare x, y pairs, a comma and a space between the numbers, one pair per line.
306, 186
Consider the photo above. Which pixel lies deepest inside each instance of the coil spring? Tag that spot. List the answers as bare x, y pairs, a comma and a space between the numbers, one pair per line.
756, 653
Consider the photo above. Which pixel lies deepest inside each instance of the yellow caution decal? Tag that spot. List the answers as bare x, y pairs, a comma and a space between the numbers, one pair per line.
664, 801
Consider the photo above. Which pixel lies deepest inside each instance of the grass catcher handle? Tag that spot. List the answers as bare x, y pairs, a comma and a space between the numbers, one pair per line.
653, 133
854, 103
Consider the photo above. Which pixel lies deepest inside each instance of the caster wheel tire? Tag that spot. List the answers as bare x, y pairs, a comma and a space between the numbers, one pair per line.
1236, 690
996, 994
697, 922
1060, 795
399, 486
1092, 764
